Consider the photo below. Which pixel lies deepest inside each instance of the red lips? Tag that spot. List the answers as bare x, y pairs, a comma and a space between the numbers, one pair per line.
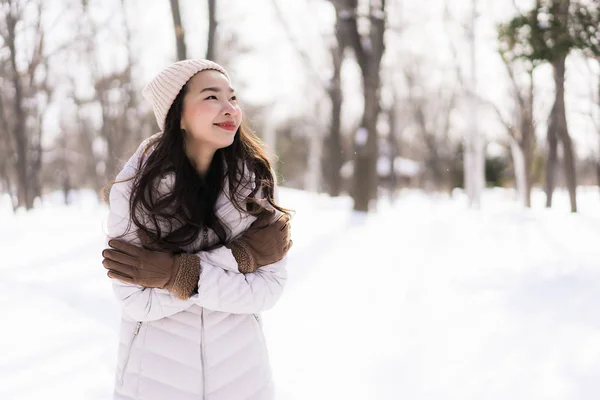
230, 126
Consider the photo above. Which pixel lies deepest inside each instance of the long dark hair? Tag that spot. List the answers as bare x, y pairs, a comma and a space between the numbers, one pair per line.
190, 206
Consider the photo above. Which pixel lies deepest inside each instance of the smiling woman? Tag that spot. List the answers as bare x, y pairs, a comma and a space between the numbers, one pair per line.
210, 117
197, 246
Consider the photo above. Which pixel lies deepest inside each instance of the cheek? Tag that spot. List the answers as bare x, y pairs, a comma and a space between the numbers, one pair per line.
199, 112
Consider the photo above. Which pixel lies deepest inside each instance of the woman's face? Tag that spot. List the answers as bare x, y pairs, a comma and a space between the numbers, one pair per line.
211, 115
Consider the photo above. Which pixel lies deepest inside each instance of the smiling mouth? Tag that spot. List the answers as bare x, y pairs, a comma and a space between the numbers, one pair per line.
227, 126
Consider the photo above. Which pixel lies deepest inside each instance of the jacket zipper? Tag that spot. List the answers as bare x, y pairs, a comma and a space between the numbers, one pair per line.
202, 354
202, 348
135, 333
261, 332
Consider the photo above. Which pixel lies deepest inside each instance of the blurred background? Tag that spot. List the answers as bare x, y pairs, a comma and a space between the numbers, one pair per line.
443, 158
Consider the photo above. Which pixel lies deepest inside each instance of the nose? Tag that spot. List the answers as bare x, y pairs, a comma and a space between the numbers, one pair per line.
229, 109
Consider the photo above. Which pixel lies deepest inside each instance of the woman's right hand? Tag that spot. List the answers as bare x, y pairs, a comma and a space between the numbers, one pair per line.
265, 242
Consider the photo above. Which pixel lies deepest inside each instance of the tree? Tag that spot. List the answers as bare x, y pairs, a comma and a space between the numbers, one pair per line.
12, 14
586, 29
431, 113
557, 124
114, 98
26, 95
474, 153
212, 30
6, 153
548, 33
520, 128
332, 143
472, 150
368, 51
179, 32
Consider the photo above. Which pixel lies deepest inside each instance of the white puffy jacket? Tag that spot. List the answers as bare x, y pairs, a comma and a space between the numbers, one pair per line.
209, 347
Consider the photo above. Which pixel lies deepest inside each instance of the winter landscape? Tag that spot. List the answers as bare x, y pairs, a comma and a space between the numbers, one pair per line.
442, 159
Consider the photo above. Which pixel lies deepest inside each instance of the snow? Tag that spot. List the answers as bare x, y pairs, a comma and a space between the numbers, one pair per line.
423, 299
402, 167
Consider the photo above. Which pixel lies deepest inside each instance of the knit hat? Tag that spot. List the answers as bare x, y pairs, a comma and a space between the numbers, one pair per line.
164, 88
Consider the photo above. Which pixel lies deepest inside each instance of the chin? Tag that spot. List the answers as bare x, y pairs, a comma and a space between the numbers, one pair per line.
224, 143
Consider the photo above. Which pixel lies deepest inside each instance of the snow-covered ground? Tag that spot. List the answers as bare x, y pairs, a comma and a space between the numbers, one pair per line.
424, 299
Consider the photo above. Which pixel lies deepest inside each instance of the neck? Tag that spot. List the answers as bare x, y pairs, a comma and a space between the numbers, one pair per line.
200, 157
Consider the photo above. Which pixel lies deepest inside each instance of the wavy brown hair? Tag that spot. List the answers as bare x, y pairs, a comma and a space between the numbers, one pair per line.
190, 206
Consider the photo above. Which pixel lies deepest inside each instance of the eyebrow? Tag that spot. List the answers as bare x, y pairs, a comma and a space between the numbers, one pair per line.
215, 89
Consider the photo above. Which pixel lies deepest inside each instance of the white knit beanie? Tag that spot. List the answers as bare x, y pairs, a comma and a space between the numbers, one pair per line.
164, 88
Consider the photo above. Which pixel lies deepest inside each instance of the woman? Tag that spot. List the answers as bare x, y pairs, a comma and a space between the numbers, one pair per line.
197, 247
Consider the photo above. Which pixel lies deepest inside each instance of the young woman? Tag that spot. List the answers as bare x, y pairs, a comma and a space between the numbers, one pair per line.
197, 247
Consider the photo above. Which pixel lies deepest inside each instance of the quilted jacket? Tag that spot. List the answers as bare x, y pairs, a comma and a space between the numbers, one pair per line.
209, 347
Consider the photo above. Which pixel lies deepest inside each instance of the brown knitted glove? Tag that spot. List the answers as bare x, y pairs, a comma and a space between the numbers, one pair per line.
265, 242
178, 273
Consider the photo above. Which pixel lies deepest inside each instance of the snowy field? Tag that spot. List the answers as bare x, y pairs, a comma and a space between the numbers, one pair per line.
422, 300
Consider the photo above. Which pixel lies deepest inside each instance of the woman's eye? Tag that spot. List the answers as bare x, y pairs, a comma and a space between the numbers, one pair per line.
211, 98
234, 98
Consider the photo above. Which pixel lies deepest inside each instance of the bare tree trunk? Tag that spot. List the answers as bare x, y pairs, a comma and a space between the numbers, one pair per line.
18, 130
179, 33
473, 143
334, 141
519, 166
527, 150
528, 141
212, 29
551, 160
365, 173
34, 178
521, 129
522, 146
526, 137
557, 125
368, 51
5, 151
552, 141
5, 181
563, 132
474, 169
